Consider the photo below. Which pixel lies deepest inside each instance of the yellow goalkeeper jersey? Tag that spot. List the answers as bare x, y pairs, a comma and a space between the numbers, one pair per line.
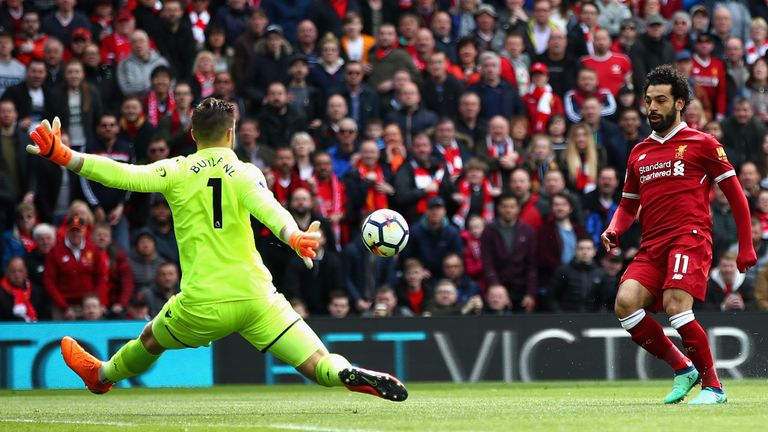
211, 194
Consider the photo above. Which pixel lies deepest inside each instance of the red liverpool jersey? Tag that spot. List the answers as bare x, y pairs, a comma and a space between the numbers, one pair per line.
672, 177
612, 70
710, 75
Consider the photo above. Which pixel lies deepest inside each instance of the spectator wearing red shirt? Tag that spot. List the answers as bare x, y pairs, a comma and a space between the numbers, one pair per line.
120, 285
17, 293
117, 46
331, 196
709, 73
73, 269
283, 178
413, 292
472, 259
540, 101
368, 183
30, 41
613, 70
529, 202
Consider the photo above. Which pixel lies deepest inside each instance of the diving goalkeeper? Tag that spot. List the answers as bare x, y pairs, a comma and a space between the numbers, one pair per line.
225, 286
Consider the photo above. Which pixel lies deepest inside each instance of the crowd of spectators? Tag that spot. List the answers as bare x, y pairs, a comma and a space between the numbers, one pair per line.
500, 130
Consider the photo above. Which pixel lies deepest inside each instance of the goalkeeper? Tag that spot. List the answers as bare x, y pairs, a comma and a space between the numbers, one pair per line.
225, 286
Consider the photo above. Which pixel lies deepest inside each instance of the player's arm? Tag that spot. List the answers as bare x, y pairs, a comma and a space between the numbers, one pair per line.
718, 167
139, 178
261, 203
626, 213
622, 220
738, 201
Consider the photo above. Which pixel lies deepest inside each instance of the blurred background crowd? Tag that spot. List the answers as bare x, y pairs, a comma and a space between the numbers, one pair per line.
500, 130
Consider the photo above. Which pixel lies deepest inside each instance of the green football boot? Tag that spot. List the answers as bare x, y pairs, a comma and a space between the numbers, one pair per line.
682, 384
710, 396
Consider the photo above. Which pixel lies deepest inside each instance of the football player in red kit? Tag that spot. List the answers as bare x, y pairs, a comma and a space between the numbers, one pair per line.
669, 176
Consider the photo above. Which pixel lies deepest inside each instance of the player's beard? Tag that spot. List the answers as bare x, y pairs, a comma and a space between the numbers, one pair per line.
664, 123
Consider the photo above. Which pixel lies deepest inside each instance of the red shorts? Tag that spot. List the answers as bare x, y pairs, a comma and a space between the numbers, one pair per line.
683, 263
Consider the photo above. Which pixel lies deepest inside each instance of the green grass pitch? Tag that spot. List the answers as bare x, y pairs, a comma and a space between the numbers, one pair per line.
555, 406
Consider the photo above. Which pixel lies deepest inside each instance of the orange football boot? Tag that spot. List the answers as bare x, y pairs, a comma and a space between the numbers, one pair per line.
83, 364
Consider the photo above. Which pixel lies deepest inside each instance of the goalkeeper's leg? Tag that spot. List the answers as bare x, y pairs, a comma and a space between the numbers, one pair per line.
133, 358
300, 347
172, 328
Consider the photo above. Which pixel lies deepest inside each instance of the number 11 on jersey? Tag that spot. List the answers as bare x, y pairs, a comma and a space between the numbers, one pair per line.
678, 259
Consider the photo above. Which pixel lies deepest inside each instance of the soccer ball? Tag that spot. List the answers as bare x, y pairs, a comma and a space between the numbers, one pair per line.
385, 232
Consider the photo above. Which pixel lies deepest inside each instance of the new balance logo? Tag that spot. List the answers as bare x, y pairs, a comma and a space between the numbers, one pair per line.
679, 169
677, 277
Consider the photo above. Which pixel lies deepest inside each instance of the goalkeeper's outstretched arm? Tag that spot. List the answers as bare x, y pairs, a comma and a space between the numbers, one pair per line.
156, 177
137, 178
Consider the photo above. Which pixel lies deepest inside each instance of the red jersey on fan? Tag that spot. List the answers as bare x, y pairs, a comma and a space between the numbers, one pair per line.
541, 104
283, 187
710, 75
612, 70
672, 177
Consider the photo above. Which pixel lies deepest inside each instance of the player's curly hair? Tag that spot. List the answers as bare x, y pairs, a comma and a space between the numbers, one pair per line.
211, 118
666, 74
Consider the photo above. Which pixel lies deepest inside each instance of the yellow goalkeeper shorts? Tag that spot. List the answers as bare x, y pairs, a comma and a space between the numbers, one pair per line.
269, 324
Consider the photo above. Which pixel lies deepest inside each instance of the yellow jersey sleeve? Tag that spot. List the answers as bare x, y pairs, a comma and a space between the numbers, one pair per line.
157, 177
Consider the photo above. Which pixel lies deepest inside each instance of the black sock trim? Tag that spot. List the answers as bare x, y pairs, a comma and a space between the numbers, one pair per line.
174, 337
279, 336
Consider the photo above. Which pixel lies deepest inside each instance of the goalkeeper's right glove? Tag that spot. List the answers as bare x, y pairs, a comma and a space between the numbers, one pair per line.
49, 145
305, 243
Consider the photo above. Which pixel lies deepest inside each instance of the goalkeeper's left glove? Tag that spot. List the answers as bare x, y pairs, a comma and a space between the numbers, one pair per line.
305, 243
49, 145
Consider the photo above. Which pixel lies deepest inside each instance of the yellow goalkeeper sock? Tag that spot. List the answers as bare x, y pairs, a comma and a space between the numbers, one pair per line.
328, 368
132, 359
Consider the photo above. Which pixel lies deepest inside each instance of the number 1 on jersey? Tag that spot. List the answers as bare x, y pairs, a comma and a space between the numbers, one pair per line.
215, 184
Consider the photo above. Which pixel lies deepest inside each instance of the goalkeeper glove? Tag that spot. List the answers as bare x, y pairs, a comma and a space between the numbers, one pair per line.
47, 138
306, 242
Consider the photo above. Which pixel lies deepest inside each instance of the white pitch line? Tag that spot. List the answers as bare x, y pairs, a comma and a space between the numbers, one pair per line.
294, 427
73, 422
315, 428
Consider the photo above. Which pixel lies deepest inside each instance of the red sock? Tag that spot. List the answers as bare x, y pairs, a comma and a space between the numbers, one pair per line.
697, 346
650, 336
